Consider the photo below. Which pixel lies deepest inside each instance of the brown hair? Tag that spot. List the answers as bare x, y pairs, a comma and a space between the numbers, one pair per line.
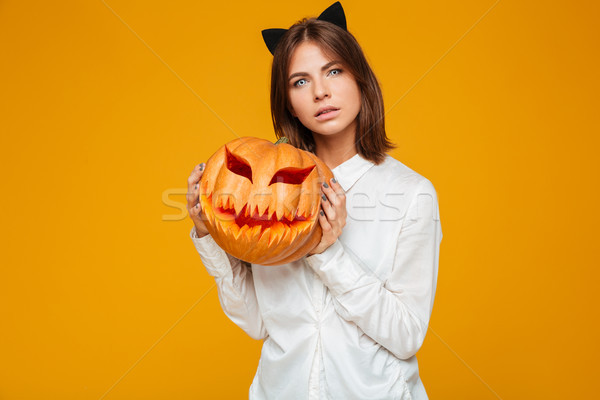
371, 140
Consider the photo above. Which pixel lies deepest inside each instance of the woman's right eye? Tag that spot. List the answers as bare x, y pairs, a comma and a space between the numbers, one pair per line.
298, 82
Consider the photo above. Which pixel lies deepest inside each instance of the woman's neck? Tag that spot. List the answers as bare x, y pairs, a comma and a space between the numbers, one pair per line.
334, 150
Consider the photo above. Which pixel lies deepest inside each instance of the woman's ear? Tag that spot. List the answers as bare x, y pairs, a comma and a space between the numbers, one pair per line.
291, 110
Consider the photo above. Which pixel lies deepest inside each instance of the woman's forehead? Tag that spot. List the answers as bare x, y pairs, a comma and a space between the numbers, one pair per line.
309, 54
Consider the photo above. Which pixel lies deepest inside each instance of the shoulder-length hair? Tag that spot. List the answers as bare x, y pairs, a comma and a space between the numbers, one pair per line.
371, 140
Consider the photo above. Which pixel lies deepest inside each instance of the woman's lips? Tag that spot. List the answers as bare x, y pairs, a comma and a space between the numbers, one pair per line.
328, 115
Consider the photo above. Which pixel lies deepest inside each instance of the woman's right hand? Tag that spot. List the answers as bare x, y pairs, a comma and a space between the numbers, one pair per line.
193, 200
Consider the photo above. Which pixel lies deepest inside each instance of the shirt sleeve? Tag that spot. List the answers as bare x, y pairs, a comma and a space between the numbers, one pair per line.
394, 313
235, 285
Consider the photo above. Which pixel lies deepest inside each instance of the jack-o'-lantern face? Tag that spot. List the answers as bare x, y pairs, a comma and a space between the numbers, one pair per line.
261, 200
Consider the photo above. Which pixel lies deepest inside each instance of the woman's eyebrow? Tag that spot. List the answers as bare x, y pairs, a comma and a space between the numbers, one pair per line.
323, 68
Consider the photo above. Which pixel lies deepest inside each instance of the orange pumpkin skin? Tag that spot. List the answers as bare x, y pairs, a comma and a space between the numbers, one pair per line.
261, 200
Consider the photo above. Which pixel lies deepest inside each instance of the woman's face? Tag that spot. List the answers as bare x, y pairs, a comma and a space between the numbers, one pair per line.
317, 83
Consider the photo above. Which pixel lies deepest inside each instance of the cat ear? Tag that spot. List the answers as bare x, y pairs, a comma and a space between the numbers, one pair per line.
334, 14
272, 37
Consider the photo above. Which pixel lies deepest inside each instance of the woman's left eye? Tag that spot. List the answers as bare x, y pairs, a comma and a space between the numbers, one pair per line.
335, 71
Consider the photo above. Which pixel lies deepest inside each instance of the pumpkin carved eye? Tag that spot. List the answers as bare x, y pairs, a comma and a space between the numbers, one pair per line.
237, 165
293, 176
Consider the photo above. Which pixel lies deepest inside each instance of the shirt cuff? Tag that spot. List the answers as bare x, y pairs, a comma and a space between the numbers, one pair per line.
213, 257
336, 269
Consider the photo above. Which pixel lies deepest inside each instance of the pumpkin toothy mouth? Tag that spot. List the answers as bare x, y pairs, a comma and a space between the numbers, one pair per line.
243, 218
255, 225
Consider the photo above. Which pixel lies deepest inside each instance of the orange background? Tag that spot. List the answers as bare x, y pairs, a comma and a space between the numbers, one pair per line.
107, 106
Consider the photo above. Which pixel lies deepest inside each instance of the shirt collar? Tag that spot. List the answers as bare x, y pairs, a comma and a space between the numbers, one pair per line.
348, 172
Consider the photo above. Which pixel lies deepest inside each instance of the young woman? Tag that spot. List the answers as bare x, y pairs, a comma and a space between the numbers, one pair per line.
346, 321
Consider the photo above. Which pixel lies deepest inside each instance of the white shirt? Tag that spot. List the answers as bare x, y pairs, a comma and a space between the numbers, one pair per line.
346, 323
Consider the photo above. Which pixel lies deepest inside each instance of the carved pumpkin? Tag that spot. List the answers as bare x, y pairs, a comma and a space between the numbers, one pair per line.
261, 200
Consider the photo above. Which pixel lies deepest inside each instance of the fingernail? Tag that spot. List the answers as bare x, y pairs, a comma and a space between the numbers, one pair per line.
202, 166
334, 180
325, 185
196, 186
321, 212
324, 198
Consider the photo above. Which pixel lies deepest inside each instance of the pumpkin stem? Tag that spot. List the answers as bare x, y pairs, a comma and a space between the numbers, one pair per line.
282, 139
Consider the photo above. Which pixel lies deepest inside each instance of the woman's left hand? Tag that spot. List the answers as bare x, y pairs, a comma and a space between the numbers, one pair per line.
332, 216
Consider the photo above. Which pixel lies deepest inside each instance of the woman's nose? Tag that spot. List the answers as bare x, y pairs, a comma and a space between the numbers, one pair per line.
321, 90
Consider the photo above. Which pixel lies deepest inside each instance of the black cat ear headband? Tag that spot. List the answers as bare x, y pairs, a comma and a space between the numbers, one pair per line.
334, 14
